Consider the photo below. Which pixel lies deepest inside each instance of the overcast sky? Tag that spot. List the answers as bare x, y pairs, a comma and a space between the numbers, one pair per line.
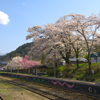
17, 15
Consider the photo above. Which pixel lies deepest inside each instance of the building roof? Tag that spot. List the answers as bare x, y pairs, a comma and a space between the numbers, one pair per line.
39, 66
79, 59
3, 63
94, 55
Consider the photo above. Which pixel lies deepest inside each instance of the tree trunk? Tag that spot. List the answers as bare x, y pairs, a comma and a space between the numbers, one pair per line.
17, 70
67, 60
11, 70
29, 71
55, 69
55, 65
89, 63
77, 61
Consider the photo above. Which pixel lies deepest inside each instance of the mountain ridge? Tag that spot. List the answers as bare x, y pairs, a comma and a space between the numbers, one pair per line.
20, 51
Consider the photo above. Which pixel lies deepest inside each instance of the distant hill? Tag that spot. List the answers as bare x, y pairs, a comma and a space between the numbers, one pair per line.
2, 54
20, 51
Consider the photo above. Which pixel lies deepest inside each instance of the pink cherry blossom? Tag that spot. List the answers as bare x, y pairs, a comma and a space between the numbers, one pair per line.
27, 63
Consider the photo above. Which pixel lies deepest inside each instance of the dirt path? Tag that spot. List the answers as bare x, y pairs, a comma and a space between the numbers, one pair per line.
12, 92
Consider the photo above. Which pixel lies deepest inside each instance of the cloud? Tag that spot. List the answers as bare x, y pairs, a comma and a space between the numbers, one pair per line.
4, 18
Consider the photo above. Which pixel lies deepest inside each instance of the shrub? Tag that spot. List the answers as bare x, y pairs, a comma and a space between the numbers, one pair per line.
61, 69
97, 70
50, 72
97, 75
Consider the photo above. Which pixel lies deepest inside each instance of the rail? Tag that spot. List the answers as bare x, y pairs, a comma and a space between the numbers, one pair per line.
90, 88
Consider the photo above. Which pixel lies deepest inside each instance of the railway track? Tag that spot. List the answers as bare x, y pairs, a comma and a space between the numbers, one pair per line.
51, 91
47, 94
50, 96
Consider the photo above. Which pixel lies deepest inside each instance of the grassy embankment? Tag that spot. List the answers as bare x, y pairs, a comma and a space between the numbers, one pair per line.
72, 72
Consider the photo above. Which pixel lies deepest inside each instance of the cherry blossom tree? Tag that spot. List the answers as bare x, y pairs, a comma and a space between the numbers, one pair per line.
68, 43
57, 42
14, 63
27, 63
47, 42
43, 44
87, 27
71, 35
78, 46
60, 45
21, 62
72, 41
36, 35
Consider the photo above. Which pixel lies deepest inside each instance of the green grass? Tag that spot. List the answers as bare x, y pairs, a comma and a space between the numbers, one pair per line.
82, 71
6, 90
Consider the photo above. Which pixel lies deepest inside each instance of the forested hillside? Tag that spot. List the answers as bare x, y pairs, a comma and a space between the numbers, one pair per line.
20, 51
